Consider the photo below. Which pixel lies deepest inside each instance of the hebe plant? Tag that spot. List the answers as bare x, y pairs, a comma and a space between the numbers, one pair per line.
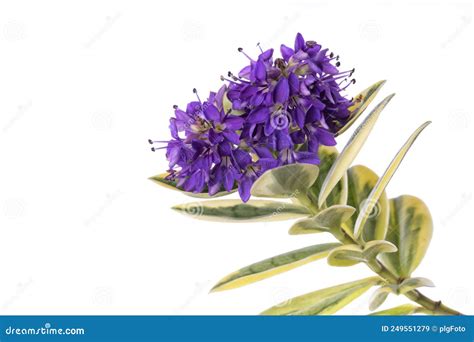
269, 133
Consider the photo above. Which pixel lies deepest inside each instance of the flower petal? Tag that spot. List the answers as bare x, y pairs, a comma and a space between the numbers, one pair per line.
281, 91
266, 55
258, 115
286, 52
211, 112
325, 137
294, 83
307, 157
299, 42
244, 188
234, 122
313, 114
260, 72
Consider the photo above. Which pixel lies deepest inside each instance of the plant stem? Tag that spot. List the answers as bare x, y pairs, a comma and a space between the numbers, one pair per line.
436, 308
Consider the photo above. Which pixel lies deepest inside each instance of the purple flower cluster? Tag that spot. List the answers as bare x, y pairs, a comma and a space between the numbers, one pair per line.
274, 112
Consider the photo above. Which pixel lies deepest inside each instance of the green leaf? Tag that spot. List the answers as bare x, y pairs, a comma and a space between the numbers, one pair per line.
338, 195
347, 255
162, 181
235, 210
273, 266
401, 310
413, 283
350, 151
361, 182
379, 188
410, 229
328, 220
361, 101
379, 297
286, 181
326, 301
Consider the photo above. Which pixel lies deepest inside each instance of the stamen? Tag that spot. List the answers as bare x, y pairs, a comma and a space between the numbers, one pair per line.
352, 81
197, 95
242, 51
157, 141
231, 75
258, 45
228, 80
234, 80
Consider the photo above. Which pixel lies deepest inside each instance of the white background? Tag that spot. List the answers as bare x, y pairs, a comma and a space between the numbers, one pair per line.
84, 84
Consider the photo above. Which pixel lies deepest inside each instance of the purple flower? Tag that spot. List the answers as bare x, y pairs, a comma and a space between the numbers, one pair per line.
275, 112
298, 93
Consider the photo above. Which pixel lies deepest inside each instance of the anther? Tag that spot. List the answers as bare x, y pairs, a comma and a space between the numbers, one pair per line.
242, 51
195, 92
175, 106
150, 141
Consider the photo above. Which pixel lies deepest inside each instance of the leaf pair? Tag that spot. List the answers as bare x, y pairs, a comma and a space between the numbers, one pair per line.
349, 255
328, 220
346, 157
381, 294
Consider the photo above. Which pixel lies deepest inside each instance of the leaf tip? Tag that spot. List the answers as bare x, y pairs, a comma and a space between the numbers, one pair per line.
389, 98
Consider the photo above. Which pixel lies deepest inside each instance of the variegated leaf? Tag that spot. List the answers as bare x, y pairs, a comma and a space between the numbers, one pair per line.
350, 151
169, 184
379, 296
401, 310
361, 181
326, 301
346, 255
328, 220
360, 103
413, 283
410, 229
375, 247
273, 266
285, 181
338, 195
236, 210
379, 188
